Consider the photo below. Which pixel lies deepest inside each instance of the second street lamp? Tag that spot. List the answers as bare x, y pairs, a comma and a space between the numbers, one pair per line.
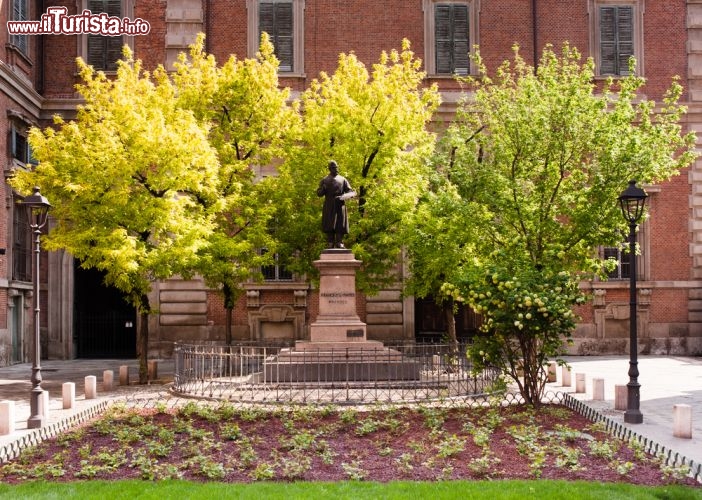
37, 207
632, 202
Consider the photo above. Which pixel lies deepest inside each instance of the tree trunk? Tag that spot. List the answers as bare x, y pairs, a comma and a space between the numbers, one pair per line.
450, 324
143, 340
229, 305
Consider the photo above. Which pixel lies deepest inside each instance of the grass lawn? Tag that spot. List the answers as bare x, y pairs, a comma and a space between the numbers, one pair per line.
161, 490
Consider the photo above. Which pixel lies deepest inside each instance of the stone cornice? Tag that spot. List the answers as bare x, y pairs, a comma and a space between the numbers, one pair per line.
20, 90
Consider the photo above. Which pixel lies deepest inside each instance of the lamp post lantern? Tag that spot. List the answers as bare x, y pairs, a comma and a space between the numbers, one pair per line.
632, 202
37, 207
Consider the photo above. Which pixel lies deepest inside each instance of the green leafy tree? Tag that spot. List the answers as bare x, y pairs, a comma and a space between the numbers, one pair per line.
374, 125
546, 156
440, 240
248, 117
127, 179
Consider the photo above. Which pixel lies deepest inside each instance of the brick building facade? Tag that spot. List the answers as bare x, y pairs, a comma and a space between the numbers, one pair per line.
37, 75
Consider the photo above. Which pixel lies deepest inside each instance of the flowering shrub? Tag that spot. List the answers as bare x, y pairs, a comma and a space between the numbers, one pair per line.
527, 316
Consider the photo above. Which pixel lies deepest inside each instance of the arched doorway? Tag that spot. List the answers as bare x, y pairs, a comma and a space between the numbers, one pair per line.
104, 323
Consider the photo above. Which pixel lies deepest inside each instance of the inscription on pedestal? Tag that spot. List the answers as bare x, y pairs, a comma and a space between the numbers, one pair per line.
354, 333
338, 297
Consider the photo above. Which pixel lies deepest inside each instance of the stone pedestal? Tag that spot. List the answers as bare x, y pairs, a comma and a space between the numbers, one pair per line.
338, 348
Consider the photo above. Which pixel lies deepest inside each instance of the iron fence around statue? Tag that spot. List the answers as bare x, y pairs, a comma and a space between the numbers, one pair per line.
265, 373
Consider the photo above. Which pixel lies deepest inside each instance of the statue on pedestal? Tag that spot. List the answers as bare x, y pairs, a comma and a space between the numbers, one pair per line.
335, 220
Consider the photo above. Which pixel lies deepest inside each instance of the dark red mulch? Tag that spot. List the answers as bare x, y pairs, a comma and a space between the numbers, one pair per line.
417, 444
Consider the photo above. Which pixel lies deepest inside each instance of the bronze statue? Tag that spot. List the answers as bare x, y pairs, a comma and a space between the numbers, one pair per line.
335, 220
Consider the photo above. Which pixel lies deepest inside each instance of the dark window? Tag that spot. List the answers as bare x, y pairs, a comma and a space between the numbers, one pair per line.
105, 51
19, 147
616, 39
275, 272
20, 12
276, 19
21, 246
451, 38
622, 271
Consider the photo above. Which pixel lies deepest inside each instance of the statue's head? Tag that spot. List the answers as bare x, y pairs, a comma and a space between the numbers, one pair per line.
333, 167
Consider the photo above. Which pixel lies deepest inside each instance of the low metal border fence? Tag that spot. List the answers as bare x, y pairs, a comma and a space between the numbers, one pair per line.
264, 373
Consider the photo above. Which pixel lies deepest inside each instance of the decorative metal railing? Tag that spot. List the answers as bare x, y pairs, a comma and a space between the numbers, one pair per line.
261, 373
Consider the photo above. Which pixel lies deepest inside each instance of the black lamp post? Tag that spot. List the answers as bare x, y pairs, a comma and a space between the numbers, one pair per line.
37, 207
632, 201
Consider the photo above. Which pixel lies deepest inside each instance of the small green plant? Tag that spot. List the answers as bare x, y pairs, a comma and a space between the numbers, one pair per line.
85, 451
354, 471
385, 451
569, 458
483, 466
160, 407
622, 468
247, 454
404, 462
675, 472
253, 414
367, 426
434, 417
557, 412
230, 431
348, 416
450, 446
566, 433
112, 459
208, 468
295, 466
604, 449
537, 462
446, 473
88, 470
262, 472
327, 455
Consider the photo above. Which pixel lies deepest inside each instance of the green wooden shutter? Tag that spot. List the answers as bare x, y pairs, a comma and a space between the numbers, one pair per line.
276, 19
284, 35
460, 40
451, 38
616, 39
442, 37
625, 30
20, 12
104, 51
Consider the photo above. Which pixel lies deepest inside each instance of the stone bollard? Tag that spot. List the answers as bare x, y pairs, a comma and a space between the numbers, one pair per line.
682, 421
566, 376
108, 377
580, 382
90, 387
552, 367
7, 417
124, 375
44, 405
436, 361
621, 396
69, 395
152, 367
598, 389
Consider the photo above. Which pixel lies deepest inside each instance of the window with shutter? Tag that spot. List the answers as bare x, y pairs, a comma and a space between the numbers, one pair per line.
276, 19
104, 51
617, 39
452, 38
20, 12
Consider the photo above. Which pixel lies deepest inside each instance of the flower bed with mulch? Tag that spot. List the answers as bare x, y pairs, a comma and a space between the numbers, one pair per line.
224, 443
